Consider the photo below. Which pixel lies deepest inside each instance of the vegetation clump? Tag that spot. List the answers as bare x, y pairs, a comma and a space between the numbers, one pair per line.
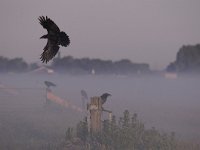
127, 133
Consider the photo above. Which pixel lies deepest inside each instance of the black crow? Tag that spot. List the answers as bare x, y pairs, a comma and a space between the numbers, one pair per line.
48, 84
104, 97
55, 38
84, 95
84, 98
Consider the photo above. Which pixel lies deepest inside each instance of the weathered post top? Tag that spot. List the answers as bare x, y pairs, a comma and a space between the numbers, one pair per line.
96, 103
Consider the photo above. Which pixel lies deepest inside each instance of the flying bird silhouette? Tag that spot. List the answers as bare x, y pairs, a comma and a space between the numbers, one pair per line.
54, 37
104, 97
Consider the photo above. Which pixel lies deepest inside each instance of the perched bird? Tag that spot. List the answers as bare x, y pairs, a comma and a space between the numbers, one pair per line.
54, 37
49, 84
104, 97
84, 98
84, 95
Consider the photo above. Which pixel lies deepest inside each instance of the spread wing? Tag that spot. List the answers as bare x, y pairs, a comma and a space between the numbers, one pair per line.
55, 38
48, 24
50, 50
64, 39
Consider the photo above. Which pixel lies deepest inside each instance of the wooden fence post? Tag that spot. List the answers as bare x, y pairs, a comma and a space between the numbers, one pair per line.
95, 108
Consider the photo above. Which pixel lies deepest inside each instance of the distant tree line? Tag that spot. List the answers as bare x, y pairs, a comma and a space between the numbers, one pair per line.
187, 60
16, 65
71, 65
98, 66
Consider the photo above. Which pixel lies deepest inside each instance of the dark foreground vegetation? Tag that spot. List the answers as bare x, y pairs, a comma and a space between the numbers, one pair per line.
126, 133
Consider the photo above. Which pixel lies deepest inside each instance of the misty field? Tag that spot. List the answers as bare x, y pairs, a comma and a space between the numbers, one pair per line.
27, 123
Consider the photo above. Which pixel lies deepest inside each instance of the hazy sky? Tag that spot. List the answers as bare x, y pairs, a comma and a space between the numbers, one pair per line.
150, 31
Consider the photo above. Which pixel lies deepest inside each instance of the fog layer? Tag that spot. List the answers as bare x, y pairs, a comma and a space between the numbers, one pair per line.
167, 104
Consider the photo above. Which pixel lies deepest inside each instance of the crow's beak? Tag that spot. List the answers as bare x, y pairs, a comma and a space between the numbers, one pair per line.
44, 37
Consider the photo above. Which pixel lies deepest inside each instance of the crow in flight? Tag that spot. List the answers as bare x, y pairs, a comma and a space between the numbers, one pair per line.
55, 38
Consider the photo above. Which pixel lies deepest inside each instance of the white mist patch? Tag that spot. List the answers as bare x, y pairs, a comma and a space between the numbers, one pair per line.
169, 105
